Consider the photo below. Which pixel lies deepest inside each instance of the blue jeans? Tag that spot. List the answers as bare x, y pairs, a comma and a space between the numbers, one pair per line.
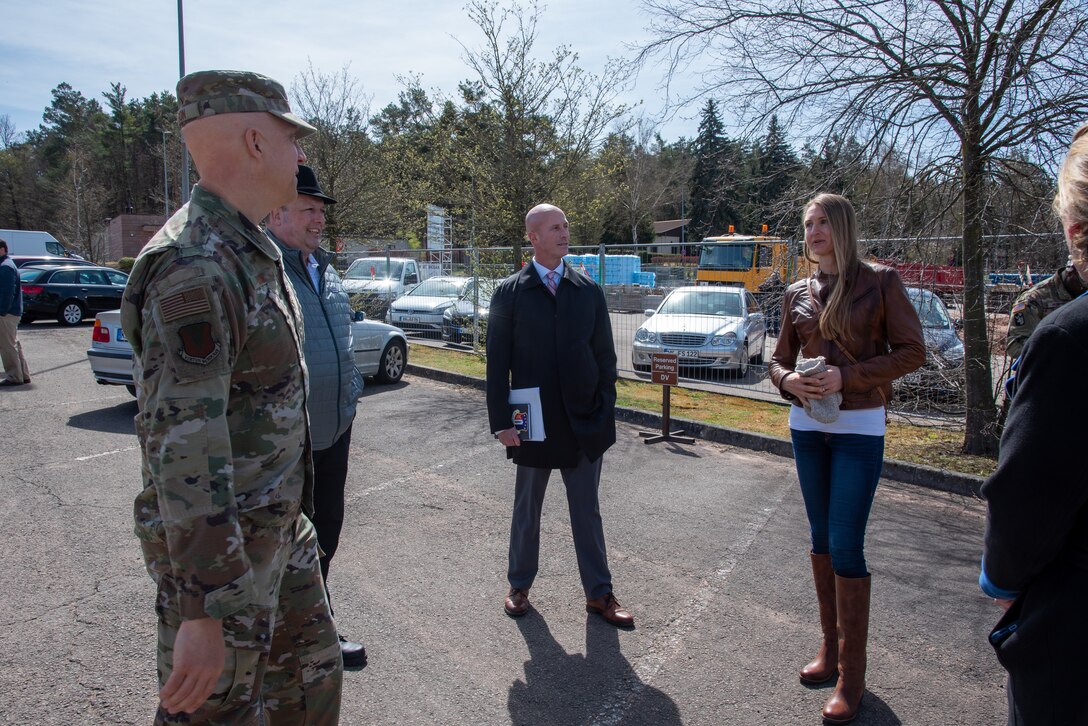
838, 475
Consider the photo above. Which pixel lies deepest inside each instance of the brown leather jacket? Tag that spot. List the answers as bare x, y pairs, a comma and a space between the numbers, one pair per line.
887, 342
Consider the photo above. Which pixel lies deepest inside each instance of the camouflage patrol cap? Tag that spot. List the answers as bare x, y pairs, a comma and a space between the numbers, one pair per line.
210, 93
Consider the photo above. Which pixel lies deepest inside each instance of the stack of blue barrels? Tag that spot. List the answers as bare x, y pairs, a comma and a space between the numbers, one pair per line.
618, 269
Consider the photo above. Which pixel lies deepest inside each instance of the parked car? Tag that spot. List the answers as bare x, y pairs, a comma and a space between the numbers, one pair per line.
468, 310
38, 260
420, 309
68, 293
708, 327
380, 351
34, 242
374, 282
943, 376
110, 354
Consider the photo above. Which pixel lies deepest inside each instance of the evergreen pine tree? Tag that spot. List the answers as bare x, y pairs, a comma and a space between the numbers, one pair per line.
711, 212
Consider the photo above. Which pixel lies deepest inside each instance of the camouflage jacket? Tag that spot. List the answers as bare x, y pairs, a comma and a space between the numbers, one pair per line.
222, 394
1031, 307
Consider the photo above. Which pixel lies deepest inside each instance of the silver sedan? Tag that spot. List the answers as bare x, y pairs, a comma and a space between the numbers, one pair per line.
708, 327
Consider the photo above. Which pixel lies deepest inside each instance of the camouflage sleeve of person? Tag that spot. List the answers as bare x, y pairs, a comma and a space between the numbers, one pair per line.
190, 327
1023, 320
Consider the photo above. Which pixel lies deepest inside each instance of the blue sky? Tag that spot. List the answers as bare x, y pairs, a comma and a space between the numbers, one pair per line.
92, 44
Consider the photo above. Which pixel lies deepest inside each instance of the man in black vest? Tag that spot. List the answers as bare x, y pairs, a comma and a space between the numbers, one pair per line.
335, 382
549, 336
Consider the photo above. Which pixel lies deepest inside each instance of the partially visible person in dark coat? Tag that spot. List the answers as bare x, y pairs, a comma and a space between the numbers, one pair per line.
1035, 562
335, 382
548, 329
16, 372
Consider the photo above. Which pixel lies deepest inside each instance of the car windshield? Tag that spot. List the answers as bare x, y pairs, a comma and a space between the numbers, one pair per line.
438, 287
731, 256
702, 302
375, 268
487, 289
931, 311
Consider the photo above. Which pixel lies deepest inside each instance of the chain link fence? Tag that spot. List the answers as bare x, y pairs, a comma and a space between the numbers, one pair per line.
661, 298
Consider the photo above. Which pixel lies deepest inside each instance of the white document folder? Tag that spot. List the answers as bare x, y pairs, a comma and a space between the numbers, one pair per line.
526, 402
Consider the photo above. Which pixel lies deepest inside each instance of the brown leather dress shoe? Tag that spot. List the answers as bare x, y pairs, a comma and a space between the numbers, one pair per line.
610, 609
516, 603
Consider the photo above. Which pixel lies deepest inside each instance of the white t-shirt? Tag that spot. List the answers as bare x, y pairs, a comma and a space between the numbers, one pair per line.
864, 421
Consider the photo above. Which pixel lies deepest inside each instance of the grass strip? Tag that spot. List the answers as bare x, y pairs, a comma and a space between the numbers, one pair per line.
936, 447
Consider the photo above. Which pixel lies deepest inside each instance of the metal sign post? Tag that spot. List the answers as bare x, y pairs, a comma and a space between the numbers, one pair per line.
664, 369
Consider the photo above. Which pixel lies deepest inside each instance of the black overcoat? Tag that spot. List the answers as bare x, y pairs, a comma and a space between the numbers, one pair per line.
563, 345
1037, 524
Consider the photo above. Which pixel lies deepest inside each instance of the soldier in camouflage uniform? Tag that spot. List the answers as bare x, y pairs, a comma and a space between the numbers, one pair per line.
245, 634
1036, 303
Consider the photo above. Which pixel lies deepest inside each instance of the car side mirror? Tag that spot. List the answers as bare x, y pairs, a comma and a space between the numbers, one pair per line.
359, 316
648, 313
958, 323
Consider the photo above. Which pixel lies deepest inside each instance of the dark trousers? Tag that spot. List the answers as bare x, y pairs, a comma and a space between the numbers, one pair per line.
838, 475
330, 476
581, 482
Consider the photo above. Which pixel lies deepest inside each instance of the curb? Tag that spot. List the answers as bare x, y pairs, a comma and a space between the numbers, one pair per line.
901, 471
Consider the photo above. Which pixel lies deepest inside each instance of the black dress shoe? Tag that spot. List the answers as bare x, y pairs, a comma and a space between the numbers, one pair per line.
354, 653
9, 382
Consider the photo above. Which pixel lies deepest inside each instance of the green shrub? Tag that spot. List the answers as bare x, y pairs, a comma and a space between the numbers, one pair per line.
125, 264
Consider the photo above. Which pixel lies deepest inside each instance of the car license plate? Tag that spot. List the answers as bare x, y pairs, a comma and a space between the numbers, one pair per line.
409, 318
121, 335
687, 353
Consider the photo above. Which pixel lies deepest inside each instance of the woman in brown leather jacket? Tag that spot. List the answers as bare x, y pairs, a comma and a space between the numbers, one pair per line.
858, 318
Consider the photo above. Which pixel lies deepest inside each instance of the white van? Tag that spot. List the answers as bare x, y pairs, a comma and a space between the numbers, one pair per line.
375, 282
27, 243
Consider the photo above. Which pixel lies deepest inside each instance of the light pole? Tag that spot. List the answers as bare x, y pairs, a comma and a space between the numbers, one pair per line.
165, 178
181, 74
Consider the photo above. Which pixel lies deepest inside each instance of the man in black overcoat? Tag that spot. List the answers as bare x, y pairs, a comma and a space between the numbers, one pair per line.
549, 332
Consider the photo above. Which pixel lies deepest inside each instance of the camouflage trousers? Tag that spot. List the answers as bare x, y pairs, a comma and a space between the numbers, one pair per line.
283, 664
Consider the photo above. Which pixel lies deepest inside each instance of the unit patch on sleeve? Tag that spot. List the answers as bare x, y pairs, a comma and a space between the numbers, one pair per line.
198, 346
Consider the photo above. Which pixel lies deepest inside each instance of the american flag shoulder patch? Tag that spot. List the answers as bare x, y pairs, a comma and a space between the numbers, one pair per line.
185, 303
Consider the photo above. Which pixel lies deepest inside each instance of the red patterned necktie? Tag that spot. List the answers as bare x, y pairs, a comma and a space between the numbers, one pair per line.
552, 281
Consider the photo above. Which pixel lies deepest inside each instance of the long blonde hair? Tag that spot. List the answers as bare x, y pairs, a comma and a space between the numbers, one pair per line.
1071, 201
835, 317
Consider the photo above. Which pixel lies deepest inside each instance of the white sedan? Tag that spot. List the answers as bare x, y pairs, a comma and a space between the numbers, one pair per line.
380, 351
708, 327
420, 309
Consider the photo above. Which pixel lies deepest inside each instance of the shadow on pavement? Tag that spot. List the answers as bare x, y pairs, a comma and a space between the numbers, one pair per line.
565, 688
113, 420
371, 387
874, 711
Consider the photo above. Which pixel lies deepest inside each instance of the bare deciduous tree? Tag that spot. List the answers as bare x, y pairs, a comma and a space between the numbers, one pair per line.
955, 86
340, 110
551, 113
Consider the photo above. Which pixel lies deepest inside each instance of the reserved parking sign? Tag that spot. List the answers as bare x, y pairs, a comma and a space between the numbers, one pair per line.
664, 368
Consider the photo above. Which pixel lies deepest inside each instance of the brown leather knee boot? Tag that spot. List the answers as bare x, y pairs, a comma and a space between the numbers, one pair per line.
826, 663
852, 601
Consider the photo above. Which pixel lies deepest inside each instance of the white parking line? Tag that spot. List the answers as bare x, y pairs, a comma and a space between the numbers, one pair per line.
107, 453
671, 638
469, 454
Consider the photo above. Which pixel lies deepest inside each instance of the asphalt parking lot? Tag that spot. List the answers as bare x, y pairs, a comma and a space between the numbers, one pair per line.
707, 546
